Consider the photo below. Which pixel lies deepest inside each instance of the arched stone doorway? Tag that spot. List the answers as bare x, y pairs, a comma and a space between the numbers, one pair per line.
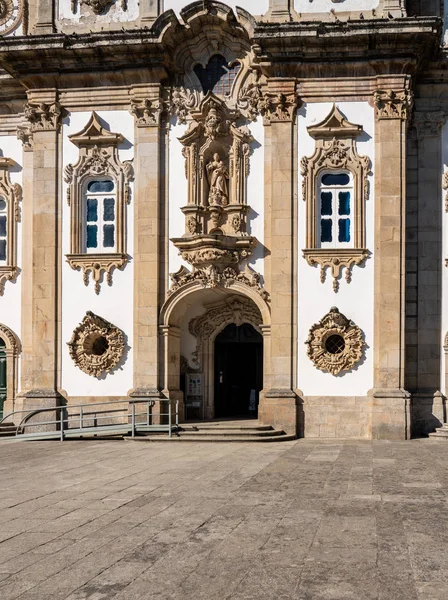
238, 371
9, 352
219, 308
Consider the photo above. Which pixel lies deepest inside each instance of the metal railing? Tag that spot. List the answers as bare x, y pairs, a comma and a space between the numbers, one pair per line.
73, 424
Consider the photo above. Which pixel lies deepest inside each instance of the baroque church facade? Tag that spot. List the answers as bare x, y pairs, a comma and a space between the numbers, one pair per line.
239, 207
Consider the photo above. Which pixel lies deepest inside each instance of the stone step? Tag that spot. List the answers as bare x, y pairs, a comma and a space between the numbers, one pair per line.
440, 432
230, 432
283, 437
224, 427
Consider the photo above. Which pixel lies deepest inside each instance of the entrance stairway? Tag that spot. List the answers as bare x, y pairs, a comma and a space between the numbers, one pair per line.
440, 433
219, 431
7, 429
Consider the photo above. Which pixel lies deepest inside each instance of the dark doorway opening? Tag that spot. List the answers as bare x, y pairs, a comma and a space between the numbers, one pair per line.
238, 371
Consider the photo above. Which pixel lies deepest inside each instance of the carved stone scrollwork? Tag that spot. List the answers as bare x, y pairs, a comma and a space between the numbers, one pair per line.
277, 107
335, 151
147, 112
393, 105
98, 156
25, 135
211, 276
237, 309
182, 102
428, 124
96, 346
11, 193
445, 187
250, 100
335, 344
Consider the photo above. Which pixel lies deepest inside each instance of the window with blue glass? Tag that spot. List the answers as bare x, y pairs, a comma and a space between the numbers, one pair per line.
335, 210
100, 216
3, 229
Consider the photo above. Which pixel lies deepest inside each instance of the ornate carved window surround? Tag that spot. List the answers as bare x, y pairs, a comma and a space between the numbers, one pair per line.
98, 157
335, 151
11, 194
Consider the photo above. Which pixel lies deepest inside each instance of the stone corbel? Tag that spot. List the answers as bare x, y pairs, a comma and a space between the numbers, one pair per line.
97, 265
336, 260
393, 105
428, 124
147, 112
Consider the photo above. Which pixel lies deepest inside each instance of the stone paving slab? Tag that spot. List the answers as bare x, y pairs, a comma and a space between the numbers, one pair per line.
302, 520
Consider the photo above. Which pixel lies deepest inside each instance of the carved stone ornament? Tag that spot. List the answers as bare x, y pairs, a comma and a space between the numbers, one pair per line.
428, 124
98, 6
183, 101
42, 116
335, 344
237, 310
216, 155
212, 277
277, 106
98, 156
11, 193
147, 112
335, 151
393, 105
445, 187
250, 100
96, 346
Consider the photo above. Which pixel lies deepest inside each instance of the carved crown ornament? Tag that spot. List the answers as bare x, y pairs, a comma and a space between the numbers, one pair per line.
217, 162
335, 344
393, 105
237, 310
10, 197
98, 157
96, 346
335, 151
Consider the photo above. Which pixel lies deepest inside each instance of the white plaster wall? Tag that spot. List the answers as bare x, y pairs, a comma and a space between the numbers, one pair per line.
113, 303
114, 14
255, 7
178, 194
444, 254
321, 6
11, 301
355, 299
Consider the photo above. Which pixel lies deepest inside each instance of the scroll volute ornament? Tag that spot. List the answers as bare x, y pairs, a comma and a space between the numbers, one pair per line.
216, 155
335, 344
98, 156
96, 346
335, 151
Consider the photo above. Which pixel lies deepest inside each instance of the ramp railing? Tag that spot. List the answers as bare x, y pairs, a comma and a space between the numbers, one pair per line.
79, 420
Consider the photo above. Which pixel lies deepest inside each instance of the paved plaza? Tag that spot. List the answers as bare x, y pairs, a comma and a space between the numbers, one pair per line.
303, 520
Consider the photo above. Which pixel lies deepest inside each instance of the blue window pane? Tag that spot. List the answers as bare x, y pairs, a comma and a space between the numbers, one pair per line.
344, 230
92, 236
3, 226
100, 186
92, 210
326, 206
109, 209
344, 203
325, 226
336, 179
2, 249
109, 236
2, 204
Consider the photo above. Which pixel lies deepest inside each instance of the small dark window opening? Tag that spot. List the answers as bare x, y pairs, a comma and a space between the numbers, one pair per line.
217, 77
335, 344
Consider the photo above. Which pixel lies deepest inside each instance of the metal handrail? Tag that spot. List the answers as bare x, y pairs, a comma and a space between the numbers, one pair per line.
61, 420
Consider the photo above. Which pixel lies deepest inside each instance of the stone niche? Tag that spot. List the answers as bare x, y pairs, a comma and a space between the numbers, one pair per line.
216, 155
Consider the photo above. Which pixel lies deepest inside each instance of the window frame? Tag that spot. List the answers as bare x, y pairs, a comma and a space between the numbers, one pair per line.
335, 216
12, 195
100, 197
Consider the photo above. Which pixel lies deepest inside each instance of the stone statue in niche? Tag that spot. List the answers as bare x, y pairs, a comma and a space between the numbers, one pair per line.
217, 177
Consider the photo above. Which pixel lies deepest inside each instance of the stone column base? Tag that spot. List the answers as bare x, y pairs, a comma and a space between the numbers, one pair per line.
40, 398
391, 414
428, 412
280, 408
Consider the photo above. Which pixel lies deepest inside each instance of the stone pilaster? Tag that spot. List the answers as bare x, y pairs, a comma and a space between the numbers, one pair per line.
40, 373
394, 8
45, 17
424, 302
281, 10
150, 10
147, 108
278, 404
391, 404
